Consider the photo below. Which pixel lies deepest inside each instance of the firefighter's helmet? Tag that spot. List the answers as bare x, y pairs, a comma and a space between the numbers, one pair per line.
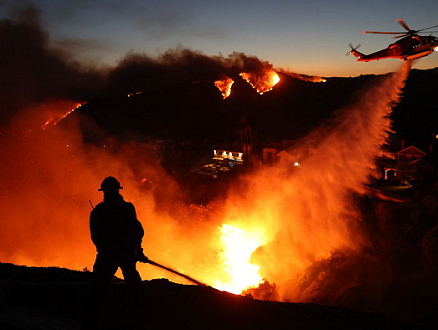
110, 183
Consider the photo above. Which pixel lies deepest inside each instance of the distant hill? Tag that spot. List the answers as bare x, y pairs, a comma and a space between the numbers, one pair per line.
197, 111
58, 299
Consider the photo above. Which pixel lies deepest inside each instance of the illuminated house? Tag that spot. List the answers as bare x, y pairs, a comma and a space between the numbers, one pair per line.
225, 157
405, 165
410, 163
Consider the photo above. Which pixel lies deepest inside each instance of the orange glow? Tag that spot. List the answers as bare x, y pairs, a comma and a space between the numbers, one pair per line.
279, 221
237, 249
315, 79
224, 86
132, 94
263, 81
56, 120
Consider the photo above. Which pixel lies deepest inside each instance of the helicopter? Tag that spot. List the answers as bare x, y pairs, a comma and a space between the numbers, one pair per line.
411, 47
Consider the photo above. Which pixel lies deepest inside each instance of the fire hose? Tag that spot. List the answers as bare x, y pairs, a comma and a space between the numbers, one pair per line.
191, 279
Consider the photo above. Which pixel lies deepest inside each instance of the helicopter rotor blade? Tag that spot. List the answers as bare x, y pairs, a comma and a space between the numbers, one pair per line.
400, 36
430, 27
403, 34
402, 23
379, 32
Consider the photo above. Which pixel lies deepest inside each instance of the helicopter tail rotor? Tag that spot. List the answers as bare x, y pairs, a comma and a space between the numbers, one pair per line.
352, 48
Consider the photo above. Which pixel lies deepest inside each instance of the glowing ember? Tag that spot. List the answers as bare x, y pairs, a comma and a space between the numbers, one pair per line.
314, 79
238, 246
136, 93
224, 86
262, 82
57, 120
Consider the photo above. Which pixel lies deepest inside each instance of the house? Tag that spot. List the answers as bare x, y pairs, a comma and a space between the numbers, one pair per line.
269, 155
283, 154
285, 150
227, 158
409, 154
405, 165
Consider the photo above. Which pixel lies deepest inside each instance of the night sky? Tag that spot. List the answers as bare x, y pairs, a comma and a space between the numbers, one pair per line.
309, 37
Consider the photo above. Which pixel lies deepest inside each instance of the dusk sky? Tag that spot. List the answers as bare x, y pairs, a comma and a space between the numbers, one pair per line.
308, 37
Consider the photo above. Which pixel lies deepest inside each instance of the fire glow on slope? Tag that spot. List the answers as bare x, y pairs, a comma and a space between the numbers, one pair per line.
56, 120
224, 86
263, 81
315, 79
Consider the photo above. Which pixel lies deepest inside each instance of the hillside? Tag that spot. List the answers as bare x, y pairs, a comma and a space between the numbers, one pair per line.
54, 298
197, 111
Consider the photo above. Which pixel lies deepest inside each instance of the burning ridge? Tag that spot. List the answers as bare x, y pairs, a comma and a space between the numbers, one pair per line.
303, 77
51, 73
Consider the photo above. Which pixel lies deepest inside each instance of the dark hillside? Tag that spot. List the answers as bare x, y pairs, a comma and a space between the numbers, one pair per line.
57, 301
196, 111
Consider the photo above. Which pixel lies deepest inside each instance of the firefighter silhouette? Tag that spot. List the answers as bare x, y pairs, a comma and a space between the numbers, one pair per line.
117, 235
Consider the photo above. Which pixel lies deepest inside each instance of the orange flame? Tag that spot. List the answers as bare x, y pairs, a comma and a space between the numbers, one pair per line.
238, 246
224, 86
263, 81
55, 121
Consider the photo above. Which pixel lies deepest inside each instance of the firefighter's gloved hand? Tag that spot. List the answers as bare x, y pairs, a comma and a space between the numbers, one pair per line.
141, 257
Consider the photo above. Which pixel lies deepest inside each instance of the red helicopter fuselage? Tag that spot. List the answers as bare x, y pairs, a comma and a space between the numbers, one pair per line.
408, 48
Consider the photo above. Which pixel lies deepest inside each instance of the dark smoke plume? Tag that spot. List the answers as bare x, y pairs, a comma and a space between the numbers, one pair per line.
32, 71
35, 71
137, 72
